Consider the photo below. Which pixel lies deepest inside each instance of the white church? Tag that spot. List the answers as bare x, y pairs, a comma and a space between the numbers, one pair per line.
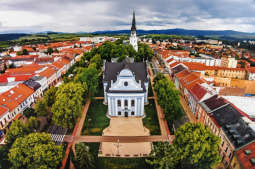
126, 84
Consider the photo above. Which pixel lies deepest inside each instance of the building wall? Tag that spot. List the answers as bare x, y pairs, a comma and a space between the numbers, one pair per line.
235, 163
120, 104
226, 149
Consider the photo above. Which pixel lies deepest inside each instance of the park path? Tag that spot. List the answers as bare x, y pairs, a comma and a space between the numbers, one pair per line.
76, 132
161, 116
121, 139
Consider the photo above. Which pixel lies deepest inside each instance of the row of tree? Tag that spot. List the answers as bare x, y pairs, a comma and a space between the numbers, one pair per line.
168, 98
109, 50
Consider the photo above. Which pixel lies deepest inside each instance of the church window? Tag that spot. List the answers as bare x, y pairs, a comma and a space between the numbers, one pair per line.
126, 102
132, 113
126, 84
132, 102
119, 103
119, 113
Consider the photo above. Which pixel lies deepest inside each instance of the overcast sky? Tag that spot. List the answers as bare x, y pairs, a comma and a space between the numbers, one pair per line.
94, 15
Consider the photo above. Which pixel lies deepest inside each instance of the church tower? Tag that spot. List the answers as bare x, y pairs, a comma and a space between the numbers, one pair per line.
133, 38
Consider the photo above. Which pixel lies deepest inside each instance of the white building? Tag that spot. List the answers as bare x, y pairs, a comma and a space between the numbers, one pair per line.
133, 39
125, 88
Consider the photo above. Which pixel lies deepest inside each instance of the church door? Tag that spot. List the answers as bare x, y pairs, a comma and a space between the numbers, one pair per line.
126, 114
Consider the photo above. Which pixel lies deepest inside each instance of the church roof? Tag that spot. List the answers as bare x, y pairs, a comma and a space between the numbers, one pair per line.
139, 69
133, 28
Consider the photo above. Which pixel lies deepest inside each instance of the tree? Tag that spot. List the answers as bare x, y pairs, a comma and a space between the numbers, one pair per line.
89, 77
97, 60
144, 53
17, 129
168, 98
68, 105
83, 159
35, 150
29, 112
4, 163
33, 124
25, 52
49, 51
193, 147
11, 66
20, 129
41, 108
50, 96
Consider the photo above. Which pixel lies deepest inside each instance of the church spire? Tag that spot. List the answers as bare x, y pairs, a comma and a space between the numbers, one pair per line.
133, 28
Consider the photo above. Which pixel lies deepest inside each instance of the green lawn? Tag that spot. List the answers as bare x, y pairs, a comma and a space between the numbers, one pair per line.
151, 119
96, 120
117, 163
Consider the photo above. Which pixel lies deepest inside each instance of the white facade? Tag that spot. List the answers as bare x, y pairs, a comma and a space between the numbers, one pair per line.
133, 40
126, 97
251, 76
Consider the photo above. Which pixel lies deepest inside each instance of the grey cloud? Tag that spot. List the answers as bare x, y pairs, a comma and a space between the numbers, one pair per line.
93, 15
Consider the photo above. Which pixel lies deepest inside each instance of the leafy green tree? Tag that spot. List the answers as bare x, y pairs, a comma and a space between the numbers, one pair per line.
41, 108
49, 51
68, 105
84, 159
97, 60
193, 147
20, 129
11, 66
35, 150
144, 53
168, 98
17, 129
33, 124
89, 77
50, 96
25, 52
29, 112
4, 163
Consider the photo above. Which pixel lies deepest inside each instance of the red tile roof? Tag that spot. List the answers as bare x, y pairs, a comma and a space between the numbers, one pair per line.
189, 78
244, 159
48, 72
16, 95
25, 70
195, 66
3, 110
182, 74
17, 78
198, 92
251, 70
174, 64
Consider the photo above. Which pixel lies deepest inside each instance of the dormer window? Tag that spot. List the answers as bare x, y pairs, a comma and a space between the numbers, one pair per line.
126, 84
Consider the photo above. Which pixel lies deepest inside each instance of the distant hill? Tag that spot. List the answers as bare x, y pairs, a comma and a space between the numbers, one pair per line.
11, 36
226, 34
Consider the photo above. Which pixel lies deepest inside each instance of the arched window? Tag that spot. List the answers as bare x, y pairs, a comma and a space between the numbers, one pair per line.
119, 103
126, 84
126, 102
132, 113
132, 102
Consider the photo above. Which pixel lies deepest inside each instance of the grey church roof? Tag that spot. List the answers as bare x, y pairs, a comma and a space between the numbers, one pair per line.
112, 70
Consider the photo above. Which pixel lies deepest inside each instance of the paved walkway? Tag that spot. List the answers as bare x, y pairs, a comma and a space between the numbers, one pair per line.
161, 117
76, 132
122, 139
